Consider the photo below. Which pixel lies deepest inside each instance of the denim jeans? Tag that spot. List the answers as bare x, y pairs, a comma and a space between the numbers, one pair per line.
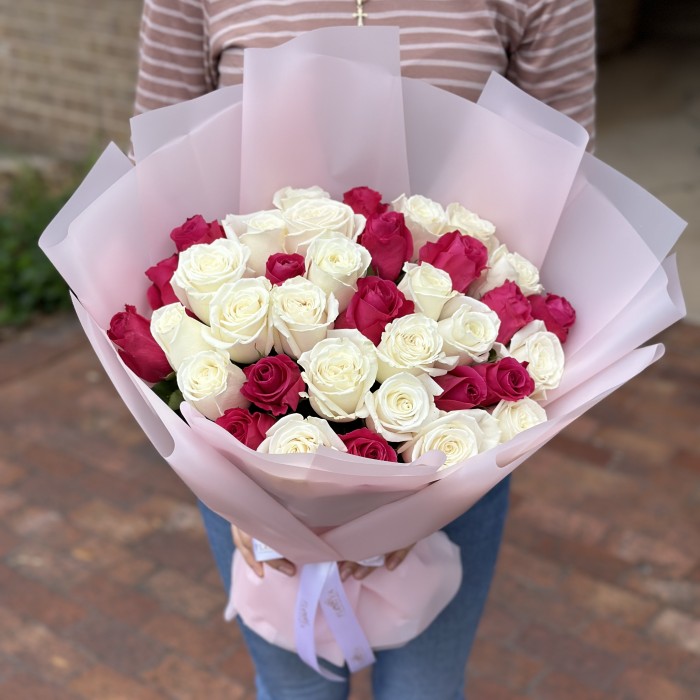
432, 665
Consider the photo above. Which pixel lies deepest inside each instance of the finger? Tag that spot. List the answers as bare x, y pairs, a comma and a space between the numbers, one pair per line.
395, 558
363, 572
284, 566
347, 569
244, 544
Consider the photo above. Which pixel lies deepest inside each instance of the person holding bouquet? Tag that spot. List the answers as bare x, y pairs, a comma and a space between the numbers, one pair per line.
547, 48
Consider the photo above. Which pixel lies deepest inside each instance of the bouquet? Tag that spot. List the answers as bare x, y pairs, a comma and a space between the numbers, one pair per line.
330, 109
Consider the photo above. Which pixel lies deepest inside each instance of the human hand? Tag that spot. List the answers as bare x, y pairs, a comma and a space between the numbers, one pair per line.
359, 571
244, 543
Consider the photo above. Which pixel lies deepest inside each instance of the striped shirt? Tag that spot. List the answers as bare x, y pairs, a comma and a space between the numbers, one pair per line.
546, 47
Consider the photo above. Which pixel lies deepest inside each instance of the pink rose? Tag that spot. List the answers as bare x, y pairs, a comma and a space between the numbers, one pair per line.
511, 307
375, 303
273, 384
248, 428
506, 380
462, 257
365, 201
462, 388
389, 242
283, 266
160, 293
556, 312
131, 333
364, 443
196, 230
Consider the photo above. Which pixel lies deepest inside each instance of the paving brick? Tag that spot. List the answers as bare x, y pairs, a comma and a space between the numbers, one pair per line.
36, 646
9, 501
115, 600
678, 628
206, 644
483, 689
35, 601
638, 548
52, 566
120, 646
118, 524
178, 551
604, 600
10, 473
179, 594
637, 649
639, 684
681, 594
239, 666
104, 683
561, 686
567, 653
510, 668
24, 686
182, 680
529, 604
498, 624
561, 522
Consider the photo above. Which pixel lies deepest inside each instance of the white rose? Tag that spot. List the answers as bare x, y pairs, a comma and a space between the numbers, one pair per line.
402, 405
309, 218
295, 434
469, 329
527, 276
178, 334
504, 265
412, 344
334, 263
203, 268
425, 219
301, 313
516, 416
458, 434
284, 198
240, 321
468, 223
543, 352
428, 287
211, 383
339, 372
499, 268
262, 233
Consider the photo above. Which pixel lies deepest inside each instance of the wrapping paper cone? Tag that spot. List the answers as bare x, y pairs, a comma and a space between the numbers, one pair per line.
330, 109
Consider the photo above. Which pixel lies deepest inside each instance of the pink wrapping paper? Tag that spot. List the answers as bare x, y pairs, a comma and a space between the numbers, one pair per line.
409, 598
330, 109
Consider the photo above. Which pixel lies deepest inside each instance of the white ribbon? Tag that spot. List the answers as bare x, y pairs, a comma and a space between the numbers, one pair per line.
320, 585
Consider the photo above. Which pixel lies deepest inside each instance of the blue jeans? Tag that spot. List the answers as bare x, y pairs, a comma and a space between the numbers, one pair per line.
431, 665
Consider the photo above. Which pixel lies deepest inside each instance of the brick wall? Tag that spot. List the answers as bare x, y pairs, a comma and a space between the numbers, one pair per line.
67, 71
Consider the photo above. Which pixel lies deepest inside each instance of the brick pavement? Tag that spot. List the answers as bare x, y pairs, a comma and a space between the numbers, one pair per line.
107, 591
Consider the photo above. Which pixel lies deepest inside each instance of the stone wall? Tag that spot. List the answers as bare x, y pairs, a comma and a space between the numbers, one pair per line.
67, 71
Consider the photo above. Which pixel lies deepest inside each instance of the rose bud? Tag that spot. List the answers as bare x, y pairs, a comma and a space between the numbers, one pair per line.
161, 293
506, 380
365, 201
389, 242
365, 443
283, 266
512, 308
274, 384
556, 312
248, 428
131, 333
462, 257
462, 388
376, 303
196, 230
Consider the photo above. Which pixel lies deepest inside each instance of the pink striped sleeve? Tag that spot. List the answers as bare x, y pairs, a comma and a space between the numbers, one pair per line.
172, 54
555, 58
